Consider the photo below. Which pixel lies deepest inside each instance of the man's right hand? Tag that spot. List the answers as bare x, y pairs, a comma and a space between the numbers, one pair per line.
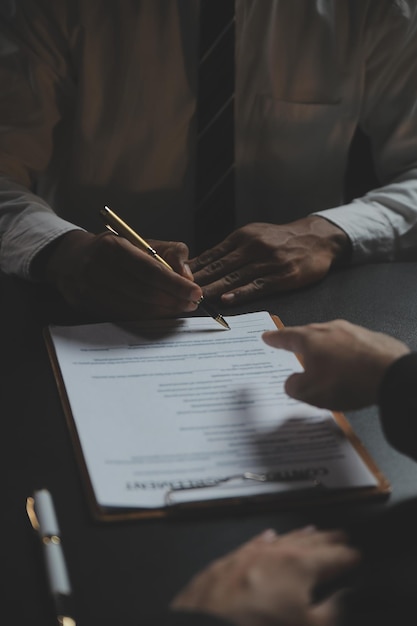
108, 276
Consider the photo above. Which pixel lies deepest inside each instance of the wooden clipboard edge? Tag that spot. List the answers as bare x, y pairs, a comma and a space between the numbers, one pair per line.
264, 503
384, 487
97, 512
107, 514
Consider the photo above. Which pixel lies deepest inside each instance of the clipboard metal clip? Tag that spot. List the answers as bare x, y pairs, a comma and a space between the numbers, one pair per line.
267, 477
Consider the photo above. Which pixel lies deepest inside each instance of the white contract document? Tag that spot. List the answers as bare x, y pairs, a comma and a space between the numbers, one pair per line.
172, 411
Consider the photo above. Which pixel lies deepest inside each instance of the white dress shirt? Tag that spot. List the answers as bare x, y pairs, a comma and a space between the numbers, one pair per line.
97, 103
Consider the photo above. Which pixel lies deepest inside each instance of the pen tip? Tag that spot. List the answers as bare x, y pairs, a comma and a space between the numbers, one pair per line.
223, 322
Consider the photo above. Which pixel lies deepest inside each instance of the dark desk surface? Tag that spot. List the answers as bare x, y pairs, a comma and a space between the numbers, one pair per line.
120, 572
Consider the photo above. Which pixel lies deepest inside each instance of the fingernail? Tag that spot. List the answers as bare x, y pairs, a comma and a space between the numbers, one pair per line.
269, 535
228, 297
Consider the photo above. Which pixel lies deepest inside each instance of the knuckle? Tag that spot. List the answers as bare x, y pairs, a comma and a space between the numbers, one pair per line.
105, 240
206, 258
259, 284
179, 248
213, 269
232, 278
289, 556
215, 266
103, 245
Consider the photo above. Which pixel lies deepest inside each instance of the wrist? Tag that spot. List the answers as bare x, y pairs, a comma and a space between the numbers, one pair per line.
57, 256
337, 240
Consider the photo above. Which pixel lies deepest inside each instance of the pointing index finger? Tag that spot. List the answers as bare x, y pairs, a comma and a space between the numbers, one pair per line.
291, 339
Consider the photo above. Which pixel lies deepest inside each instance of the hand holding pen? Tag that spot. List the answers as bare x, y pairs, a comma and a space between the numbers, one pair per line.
116, 225
113, 280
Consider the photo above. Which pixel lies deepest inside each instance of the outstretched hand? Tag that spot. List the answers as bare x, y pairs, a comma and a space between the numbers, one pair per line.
261, 259
270, 581
344, 363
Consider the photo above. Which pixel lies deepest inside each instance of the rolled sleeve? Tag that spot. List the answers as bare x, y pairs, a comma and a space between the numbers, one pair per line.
27, 225
382, 225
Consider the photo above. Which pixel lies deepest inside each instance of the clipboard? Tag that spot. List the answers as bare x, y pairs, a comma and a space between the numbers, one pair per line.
303, 497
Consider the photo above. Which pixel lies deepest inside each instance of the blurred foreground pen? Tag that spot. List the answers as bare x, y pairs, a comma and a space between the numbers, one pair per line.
119, 227
41, 513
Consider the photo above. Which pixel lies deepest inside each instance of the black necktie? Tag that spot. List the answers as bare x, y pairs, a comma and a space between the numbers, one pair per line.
215, 186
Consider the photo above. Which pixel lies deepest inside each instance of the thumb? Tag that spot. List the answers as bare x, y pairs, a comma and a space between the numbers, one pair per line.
329, 611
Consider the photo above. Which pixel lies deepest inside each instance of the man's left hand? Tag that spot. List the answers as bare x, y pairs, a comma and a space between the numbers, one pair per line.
261, 259
272, 579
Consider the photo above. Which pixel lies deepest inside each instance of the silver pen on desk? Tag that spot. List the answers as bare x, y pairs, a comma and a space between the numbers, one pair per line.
117, 226
42, 516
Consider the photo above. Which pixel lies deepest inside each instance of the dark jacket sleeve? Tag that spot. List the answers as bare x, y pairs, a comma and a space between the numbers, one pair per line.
398, 404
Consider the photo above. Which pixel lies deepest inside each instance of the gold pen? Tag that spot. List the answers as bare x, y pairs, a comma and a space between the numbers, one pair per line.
117, 226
